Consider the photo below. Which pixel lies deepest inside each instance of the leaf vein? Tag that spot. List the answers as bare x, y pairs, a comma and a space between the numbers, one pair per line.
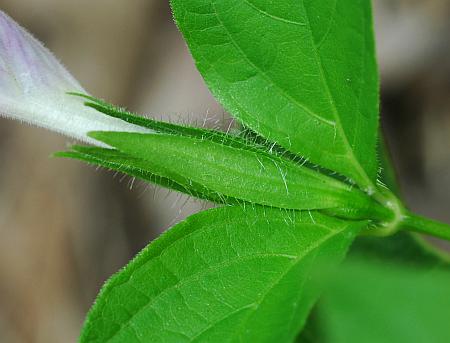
264, 75
274, 17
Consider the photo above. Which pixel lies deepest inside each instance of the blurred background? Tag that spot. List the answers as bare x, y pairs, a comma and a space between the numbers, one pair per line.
65, 227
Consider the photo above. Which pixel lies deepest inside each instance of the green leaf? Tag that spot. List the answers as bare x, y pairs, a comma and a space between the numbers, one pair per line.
241, 174
173, 129
298, 72
388, 174
234, 274
404, 249
244, 138
115, 160
393, 304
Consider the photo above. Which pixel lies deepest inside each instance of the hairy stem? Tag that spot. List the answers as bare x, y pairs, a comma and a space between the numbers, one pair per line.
413, 222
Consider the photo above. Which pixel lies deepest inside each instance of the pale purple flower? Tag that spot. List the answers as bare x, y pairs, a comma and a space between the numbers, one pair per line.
34, 86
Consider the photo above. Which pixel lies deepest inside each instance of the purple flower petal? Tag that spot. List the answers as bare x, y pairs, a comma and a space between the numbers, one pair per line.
34, 86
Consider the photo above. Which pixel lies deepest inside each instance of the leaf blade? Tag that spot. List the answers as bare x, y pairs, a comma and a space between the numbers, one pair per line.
262, 61
394, 304
206, 274
115, 160
170, 128
241, 174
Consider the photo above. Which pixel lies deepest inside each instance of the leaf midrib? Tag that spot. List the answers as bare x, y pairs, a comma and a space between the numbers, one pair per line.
182, 282
254, 306
218, 266
350, 153
274, 17
264, 74
368, 183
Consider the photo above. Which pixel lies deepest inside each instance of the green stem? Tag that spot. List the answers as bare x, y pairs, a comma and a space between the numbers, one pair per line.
413, 222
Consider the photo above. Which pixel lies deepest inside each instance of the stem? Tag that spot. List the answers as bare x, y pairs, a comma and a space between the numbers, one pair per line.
413, 222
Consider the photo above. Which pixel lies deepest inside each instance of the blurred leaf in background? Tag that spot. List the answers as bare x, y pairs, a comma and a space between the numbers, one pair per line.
371, 302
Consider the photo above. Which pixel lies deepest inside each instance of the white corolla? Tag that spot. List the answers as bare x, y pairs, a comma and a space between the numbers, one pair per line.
34, 87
